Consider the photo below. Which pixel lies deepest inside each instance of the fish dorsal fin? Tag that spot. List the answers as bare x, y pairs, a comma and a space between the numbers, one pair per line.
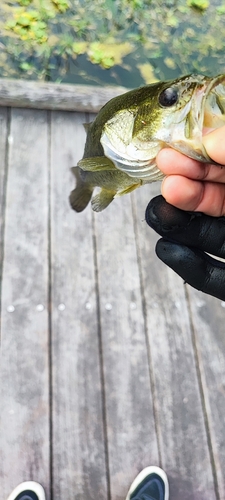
96, 164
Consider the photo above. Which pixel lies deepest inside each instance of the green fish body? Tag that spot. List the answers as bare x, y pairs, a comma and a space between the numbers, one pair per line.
124, 139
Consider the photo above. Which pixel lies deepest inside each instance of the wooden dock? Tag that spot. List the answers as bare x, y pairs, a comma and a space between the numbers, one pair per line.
109, 363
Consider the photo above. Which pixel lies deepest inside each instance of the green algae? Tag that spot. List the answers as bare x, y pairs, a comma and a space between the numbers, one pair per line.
129, 42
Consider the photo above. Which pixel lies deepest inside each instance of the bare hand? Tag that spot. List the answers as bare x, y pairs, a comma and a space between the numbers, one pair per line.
194, 186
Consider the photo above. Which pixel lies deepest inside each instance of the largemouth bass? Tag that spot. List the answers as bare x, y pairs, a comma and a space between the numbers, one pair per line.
128, 132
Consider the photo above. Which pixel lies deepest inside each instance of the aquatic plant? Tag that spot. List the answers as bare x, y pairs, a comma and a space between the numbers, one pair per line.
150, 39
198, 4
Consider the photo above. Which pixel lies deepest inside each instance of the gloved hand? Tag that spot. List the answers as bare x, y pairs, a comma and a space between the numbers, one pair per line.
186, 238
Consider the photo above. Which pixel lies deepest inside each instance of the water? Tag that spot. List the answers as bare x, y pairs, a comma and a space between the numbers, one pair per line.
116, 42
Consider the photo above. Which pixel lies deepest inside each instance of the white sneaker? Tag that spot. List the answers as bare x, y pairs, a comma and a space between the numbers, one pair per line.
150, 484
27, 491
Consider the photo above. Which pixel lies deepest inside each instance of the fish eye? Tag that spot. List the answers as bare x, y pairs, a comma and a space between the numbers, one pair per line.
168, 97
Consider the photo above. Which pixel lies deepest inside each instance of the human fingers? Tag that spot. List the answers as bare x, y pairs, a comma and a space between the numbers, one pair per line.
171, 162
192, 195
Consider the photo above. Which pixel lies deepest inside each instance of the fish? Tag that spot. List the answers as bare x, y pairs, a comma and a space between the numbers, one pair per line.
129, 131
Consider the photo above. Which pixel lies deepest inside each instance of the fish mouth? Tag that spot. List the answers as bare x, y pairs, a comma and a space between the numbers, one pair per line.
207, 113
213, 105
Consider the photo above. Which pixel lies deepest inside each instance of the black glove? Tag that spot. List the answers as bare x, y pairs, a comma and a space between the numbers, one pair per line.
186, 238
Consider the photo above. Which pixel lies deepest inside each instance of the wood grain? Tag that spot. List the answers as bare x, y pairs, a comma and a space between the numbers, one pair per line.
132, 442
4, 130
180, 421
24, 438
42, 95
208, 322
79, 461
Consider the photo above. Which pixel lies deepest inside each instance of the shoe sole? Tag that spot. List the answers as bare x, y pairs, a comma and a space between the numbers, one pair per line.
146, 472
28, 485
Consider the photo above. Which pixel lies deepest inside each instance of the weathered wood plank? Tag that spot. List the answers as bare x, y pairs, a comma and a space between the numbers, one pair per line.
180, 419
79, 462
132, 442
208, 322
3, 174
24, 383
43, 95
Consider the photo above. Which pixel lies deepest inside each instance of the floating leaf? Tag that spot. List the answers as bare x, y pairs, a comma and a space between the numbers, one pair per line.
79, 48
61, 5
172, 21
25, 66
24, 3
108, 55
198, 4
10, 24
170, 63
221, 9
147, 73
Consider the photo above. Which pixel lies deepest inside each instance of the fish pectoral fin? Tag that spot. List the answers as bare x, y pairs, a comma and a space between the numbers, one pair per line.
96, 164
101, 200
129, 189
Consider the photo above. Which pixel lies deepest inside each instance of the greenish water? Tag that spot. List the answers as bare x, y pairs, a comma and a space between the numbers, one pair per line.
116, 42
